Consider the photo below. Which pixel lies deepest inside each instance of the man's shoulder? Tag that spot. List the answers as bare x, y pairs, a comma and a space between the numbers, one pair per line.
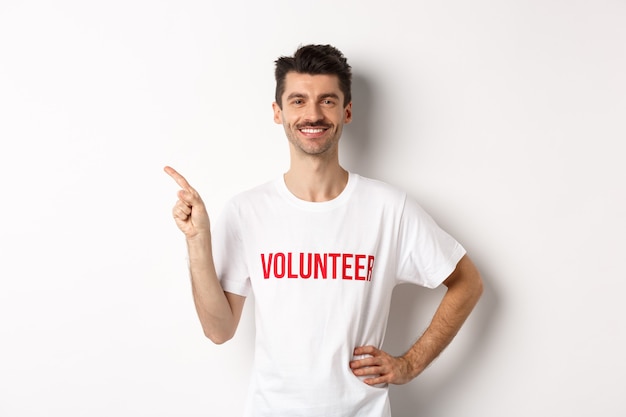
256, 194
379, 189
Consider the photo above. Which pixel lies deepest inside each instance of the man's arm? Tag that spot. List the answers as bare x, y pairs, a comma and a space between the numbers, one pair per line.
464, 289
219, 311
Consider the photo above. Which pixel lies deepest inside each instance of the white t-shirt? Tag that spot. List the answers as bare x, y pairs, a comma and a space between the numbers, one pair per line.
322, 275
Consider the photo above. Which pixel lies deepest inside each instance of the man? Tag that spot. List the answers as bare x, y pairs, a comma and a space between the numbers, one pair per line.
321, 249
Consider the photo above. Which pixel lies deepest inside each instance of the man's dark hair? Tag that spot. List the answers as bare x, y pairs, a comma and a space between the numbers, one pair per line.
315, 60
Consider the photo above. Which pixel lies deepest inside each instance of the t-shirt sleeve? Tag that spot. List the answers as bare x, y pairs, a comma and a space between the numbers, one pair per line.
229, 252
427, 255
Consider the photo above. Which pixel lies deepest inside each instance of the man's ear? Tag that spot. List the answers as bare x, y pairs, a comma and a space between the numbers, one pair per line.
347, 117
278, 113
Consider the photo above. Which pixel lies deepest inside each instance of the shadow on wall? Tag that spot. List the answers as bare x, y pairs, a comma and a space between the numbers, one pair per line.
357, 141
413, 307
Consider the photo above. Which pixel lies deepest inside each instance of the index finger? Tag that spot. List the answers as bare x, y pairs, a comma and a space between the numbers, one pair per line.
180, 180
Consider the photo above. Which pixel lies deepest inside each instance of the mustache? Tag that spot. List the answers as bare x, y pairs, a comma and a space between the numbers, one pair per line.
317, 124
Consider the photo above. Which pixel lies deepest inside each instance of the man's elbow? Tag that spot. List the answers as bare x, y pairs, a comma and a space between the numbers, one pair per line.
478, 287
218, 337
473, 283
466, 280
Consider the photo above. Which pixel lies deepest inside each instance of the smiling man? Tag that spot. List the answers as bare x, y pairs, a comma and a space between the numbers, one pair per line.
313, 112
321, 248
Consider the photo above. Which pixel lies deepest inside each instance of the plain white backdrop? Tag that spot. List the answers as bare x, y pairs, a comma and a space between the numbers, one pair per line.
504, 119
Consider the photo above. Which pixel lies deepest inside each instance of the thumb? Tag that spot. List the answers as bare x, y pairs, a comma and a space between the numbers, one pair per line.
191, 198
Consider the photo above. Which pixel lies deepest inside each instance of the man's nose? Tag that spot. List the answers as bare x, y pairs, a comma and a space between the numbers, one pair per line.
313, 112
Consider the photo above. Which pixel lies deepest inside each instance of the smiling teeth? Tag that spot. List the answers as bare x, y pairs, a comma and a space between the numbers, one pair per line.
312, 130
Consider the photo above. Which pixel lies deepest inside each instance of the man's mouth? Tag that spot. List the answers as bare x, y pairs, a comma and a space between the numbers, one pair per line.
312, 130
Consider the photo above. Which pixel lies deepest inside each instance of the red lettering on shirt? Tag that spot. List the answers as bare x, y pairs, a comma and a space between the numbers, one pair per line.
358, 266
290, 274
333, 257
266, 266
304, 264
345, 266
320, 265
370, 267
279, 265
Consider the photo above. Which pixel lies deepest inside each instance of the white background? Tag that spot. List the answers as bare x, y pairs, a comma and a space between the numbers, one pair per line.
505, 119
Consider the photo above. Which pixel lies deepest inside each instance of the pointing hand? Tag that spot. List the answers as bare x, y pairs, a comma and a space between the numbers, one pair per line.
189, 211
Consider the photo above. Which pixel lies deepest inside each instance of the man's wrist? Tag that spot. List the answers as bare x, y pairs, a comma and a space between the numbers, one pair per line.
414, 363
199, 246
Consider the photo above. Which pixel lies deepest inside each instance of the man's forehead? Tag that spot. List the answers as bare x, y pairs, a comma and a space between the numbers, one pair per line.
318, 83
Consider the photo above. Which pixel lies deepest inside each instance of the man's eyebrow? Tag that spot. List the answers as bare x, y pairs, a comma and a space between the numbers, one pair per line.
295, 95
321, 97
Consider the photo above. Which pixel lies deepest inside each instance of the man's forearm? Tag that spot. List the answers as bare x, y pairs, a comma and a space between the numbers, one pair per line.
379, 367
464, 290
213, 307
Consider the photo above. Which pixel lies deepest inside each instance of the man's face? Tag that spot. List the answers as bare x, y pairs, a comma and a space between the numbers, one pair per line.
313, 112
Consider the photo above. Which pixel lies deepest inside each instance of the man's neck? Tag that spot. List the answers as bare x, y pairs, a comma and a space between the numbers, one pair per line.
316, 180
